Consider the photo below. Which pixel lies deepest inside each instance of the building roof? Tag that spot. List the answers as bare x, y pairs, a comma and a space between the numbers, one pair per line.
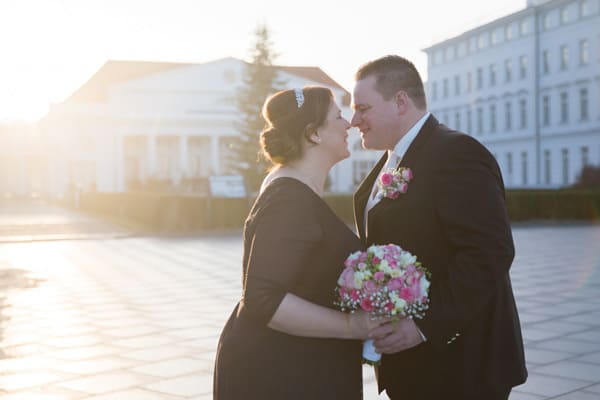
115, 71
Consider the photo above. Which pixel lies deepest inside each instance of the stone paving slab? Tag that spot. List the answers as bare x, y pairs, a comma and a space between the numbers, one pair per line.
139, 318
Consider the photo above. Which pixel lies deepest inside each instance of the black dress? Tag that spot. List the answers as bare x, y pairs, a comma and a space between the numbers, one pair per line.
293, 243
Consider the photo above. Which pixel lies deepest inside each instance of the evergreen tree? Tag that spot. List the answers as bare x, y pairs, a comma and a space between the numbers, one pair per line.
259, 81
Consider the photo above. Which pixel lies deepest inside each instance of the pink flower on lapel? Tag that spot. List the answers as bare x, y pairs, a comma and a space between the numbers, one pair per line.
394, 182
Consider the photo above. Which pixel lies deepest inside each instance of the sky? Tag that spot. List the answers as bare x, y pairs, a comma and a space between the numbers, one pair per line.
49, 48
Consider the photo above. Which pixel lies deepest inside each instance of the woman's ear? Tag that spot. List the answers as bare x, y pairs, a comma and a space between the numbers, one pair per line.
315, 138
311, 134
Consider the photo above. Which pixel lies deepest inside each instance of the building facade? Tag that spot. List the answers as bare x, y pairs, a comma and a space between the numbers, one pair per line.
527, 86
138, 122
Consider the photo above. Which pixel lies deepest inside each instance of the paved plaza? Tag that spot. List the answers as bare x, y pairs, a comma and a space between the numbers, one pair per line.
137, 318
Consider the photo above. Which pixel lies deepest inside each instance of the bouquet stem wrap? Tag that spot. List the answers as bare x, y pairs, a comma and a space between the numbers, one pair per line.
369, 355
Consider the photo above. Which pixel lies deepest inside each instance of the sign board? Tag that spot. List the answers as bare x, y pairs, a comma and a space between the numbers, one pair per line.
231, 186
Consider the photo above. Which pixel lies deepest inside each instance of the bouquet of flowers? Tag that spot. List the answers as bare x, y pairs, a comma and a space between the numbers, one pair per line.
385, 281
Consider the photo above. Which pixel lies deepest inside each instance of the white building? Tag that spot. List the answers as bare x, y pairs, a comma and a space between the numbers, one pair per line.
527, 86
133, 122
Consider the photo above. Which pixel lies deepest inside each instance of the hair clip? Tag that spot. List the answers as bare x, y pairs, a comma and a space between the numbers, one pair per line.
299, 97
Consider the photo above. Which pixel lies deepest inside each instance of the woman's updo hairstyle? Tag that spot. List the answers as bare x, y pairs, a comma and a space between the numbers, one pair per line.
292, 116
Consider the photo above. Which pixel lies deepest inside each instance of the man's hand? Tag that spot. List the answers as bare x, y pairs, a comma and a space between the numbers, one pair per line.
394, 337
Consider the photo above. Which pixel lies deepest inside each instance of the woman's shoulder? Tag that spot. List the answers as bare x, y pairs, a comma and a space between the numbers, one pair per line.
285, 194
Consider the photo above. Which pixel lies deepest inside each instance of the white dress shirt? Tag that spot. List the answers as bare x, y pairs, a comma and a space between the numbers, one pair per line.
394, 157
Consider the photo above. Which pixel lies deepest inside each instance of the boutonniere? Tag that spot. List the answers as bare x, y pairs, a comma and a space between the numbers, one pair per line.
394, 182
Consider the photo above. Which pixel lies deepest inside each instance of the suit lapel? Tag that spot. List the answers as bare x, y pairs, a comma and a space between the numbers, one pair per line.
362, 196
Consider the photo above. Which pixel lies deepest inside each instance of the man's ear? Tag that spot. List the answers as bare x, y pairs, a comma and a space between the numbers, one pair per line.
402, 101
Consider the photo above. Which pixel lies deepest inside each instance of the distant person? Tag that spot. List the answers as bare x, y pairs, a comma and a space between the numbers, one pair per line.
284, 339
452, 216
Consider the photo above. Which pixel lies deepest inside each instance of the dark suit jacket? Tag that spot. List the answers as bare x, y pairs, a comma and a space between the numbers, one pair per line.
453, 218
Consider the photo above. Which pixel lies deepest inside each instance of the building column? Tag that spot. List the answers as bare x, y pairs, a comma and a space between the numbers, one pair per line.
215, 168
151, 171
119, 185
183, 157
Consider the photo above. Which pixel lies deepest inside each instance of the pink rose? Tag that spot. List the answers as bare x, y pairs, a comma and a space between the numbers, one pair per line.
407, 174
407, 294
386, 179
403, 187
369, 287
388, 306
394, 195
366, 304
354, 295
347, 277
395, 284
376, 260
379, 276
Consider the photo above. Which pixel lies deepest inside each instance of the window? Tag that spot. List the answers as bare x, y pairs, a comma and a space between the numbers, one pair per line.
469, 79
479, 120
508, 116
469, 119
360, 169
450, 53
565, 166
492, 118
523, 27
546, 61
564, 57
524, 168
585, 156
509, 163
493, 75
494, 37
564, 107
584, 8
546, 110
482, 41
523, 112
564, 15
547, 167
457, 120
507, 70
583, 104
434, 92
479, 78
584, 52
547, 22
508, 32
523, 67
457, 85
445, 88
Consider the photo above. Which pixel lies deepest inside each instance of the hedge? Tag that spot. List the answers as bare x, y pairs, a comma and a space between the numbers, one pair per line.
173, 212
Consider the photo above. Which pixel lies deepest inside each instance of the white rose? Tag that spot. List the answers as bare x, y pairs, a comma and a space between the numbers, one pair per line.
357, 282
424, 285
407, 258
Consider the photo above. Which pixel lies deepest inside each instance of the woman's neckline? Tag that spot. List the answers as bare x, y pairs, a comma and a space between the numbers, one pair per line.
293, 178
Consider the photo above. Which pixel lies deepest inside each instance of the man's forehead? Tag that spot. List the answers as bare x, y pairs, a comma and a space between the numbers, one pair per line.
363, 93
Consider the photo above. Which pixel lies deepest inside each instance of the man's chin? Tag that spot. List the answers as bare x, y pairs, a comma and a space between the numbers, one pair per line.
370, 146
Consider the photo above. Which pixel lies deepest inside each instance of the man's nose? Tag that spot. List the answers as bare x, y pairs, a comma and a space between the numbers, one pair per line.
355, 120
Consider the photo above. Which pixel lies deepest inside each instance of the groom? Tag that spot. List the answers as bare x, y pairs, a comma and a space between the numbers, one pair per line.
453, 219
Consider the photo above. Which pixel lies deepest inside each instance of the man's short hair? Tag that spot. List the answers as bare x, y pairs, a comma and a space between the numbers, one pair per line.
395, 73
